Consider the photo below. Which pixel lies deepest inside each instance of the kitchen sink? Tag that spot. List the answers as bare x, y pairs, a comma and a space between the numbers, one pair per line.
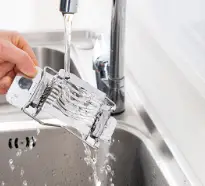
137, 155
57, 158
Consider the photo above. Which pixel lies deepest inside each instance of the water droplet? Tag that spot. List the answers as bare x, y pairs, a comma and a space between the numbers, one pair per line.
102, 169
2, 183
53, 173
108, 168
45, 184
11, 161
38, 131
31, 146
111, 156
98, 183
34, 139
112, 173
19, 152
110, 179
94, 160
12, 168
112, 184
37, 155
90, 178
22, 172
25, 183
11, 165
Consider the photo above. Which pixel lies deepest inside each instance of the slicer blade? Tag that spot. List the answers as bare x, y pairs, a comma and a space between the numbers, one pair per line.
72, 101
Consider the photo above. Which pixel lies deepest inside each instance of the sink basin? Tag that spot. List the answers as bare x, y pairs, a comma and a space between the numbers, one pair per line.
57, 158
49, 57
52, 58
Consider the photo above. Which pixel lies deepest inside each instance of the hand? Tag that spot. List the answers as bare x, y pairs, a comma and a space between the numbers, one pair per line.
15, 56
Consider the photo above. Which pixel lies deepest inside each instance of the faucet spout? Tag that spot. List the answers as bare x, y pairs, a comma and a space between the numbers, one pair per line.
116, 70
68, 6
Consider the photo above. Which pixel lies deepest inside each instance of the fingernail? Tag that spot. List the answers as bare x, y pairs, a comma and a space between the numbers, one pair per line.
35, 61
31, 72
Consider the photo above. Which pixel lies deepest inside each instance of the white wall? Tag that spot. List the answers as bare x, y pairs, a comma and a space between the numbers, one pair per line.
24, 15
179, 26
16, 15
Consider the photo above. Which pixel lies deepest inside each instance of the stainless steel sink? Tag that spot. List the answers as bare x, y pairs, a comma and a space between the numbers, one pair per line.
57, 158
138, 155
52, 58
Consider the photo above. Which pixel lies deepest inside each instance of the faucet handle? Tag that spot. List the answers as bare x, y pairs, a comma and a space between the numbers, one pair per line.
101, 48
101, 62
101, 56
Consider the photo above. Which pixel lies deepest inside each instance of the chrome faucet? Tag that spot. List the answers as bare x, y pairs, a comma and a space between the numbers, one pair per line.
68, 6
109, 71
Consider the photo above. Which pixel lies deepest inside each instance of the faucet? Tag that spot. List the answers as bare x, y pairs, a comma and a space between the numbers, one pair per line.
109, 71
68, 6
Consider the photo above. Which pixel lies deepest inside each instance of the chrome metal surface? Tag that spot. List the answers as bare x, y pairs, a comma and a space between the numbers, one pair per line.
113, 88
116, 69
113, 83
68, 6
57, 158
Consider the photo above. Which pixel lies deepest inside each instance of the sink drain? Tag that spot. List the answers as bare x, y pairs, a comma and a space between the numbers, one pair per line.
21, 143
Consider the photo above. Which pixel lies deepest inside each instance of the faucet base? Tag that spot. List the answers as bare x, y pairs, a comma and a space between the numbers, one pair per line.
114, 90
113, 86
116, 93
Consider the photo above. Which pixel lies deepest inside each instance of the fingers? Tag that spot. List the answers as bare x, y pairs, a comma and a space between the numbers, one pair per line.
15, 56
21, 43
5, 67
12, 54
12, 75
6, 82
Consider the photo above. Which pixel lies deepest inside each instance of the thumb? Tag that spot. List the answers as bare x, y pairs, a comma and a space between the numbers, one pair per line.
12, 54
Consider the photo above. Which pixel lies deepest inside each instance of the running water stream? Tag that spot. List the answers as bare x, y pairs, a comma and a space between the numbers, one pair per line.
91, 161
90, 158
68, 30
